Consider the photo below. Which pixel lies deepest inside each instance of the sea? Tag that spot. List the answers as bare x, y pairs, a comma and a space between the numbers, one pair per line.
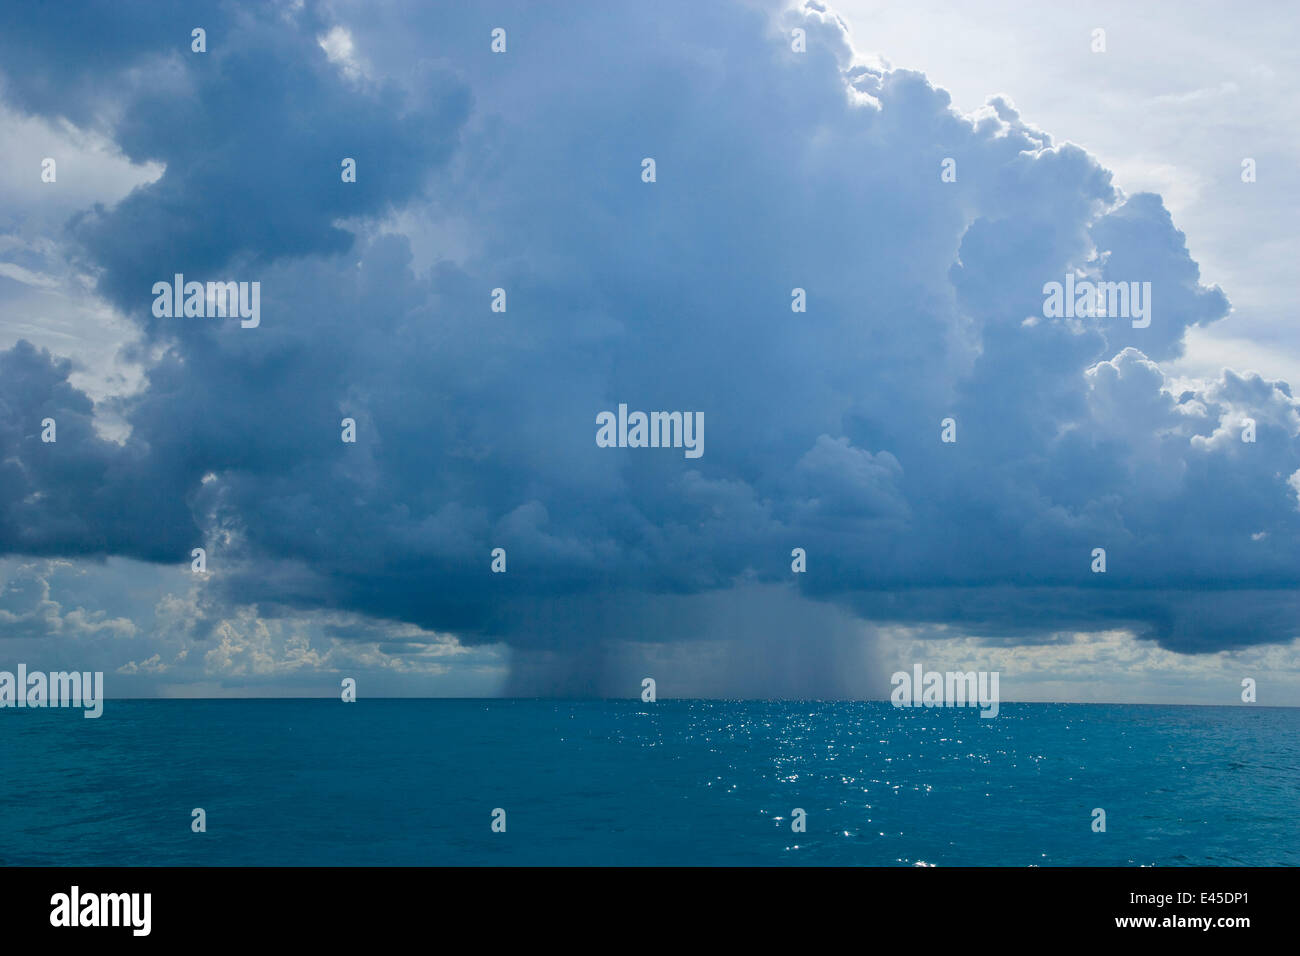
406, 782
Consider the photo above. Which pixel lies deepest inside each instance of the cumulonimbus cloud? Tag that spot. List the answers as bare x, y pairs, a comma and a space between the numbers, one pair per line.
775, 170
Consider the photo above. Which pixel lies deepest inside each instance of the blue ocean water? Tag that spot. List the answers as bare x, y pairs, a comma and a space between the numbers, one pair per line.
414, 782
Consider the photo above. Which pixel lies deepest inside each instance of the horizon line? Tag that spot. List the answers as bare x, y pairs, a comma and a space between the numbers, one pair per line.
734, 700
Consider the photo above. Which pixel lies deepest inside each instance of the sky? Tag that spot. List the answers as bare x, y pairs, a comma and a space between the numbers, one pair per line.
921, 172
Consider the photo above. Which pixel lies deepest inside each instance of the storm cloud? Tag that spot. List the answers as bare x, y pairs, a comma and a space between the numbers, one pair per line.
522, 171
